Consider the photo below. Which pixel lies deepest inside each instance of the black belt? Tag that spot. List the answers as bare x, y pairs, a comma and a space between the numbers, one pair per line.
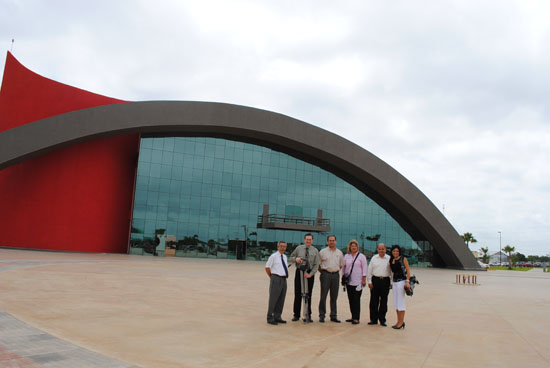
273, 274
329, 271
377, 277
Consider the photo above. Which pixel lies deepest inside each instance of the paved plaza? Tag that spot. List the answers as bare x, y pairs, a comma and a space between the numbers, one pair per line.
108, 310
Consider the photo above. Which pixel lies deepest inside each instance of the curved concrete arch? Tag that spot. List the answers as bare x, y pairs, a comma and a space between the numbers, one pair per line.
393, 192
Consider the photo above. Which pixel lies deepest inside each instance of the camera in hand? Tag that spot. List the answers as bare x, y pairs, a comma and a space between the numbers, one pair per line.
304, 266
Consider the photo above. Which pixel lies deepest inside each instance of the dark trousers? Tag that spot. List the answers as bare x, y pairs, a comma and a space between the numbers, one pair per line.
298, 293
329, 282
277, 293
354, 298
378, 305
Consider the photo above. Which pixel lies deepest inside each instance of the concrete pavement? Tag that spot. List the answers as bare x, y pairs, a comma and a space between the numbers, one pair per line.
182, 312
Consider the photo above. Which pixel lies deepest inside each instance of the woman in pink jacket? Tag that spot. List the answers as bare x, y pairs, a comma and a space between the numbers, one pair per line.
355, 269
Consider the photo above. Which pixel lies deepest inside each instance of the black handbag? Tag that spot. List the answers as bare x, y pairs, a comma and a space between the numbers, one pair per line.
345, 278
412, 280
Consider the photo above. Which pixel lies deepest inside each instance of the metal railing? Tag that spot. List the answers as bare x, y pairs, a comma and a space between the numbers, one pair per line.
290, 219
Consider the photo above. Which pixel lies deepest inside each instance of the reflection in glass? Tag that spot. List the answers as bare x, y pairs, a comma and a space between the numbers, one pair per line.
201, 197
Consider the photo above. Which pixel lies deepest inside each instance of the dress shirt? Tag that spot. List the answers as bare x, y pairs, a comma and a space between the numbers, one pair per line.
314, 260
359, 269
275, 265
379, 267
331, 260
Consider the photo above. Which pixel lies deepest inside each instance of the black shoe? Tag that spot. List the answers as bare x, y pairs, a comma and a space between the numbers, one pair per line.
373, 323
335, 320
308, 320
294, 319
322, 319
280, 321
383, 324
400, 327
349, 320
272, 323
354, 322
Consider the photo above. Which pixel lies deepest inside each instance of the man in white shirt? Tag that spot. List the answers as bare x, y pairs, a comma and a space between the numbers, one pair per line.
332, 260
276, 268
378, 277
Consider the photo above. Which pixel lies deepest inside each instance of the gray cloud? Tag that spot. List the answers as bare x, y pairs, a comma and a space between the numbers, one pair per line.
452, 94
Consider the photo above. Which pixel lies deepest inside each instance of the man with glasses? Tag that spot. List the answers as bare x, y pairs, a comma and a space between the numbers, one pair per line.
307, 255
276, 268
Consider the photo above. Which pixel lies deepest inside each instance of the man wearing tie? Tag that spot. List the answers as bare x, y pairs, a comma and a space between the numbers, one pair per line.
306, 254
276, 268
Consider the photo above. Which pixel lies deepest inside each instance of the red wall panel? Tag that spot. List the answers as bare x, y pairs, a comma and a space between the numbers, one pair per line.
78, 198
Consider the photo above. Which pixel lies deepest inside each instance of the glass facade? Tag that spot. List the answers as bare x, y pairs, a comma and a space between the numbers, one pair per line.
204, 197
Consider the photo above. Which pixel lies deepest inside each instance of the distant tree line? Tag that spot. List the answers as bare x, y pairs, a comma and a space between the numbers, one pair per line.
513, 256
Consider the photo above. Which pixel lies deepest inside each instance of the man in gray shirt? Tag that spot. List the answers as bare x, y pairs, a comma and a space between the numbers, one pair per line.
308, 255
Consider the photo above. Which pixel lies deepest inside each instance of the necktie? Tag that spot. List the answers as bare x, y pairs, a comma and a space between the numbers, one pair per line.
284, 266
307, 254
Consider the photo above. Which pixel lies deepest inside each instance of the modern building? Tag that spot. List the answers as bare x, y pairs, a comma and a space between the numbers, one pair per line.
84, 172
498, 258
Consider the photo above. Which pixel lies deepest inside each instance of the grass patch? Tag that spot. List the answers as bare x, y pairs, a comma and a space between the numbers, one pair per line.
506, 268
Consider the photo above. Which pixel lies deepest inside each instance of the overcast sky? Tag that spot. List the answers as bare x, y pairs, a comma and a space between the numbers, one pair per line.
453, 94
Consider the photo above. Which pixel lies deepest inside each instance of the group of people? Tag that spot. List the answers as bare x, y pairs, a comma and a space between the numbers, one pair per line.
384, 272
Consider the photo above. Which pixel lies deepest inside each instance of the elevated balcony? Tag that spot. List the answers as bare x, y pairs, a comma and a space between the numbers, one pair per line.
290, 222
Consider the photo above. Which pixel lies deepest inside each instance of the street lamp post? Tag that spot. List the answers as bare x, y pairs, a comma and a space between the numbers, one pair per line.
500, 245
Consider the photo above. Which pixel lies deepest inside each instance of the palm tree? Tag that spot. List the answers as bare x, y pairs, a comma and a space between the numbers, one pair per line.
485, 256
508, 249
468, 238
373, 238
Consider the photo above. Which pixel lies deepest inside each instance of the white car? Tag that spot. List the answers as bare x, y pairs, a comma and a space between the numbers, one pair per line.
483, 265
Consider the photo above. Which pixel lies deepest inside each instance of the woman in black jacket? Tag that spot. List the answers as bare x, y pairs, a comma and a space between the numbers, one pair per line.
401, 275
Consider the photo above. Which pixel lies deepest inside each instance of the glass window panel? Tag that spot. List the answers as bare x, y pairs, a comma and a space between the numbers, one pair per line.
177, 172
227, 166
155, 171
220, 152
199, 149
210, 150
163, 199
168, 144
225, 184
164, 185
156, 156
150, 226
158, 143
140, 197
178, 159
167, 157
166, 171
226, 192
139, 211
145, 155
179, 145
146, 143
227, 179
218, 165
248, 155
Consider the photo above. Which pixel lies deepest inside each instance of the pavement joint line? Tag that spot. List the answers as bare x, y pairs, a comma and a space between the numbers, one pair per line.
46, 350
432, 349
532, 346
496, 313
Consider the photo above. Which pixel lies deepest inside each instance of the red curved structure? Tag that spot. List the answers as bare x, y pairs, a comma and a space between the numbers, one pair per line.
78, 198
